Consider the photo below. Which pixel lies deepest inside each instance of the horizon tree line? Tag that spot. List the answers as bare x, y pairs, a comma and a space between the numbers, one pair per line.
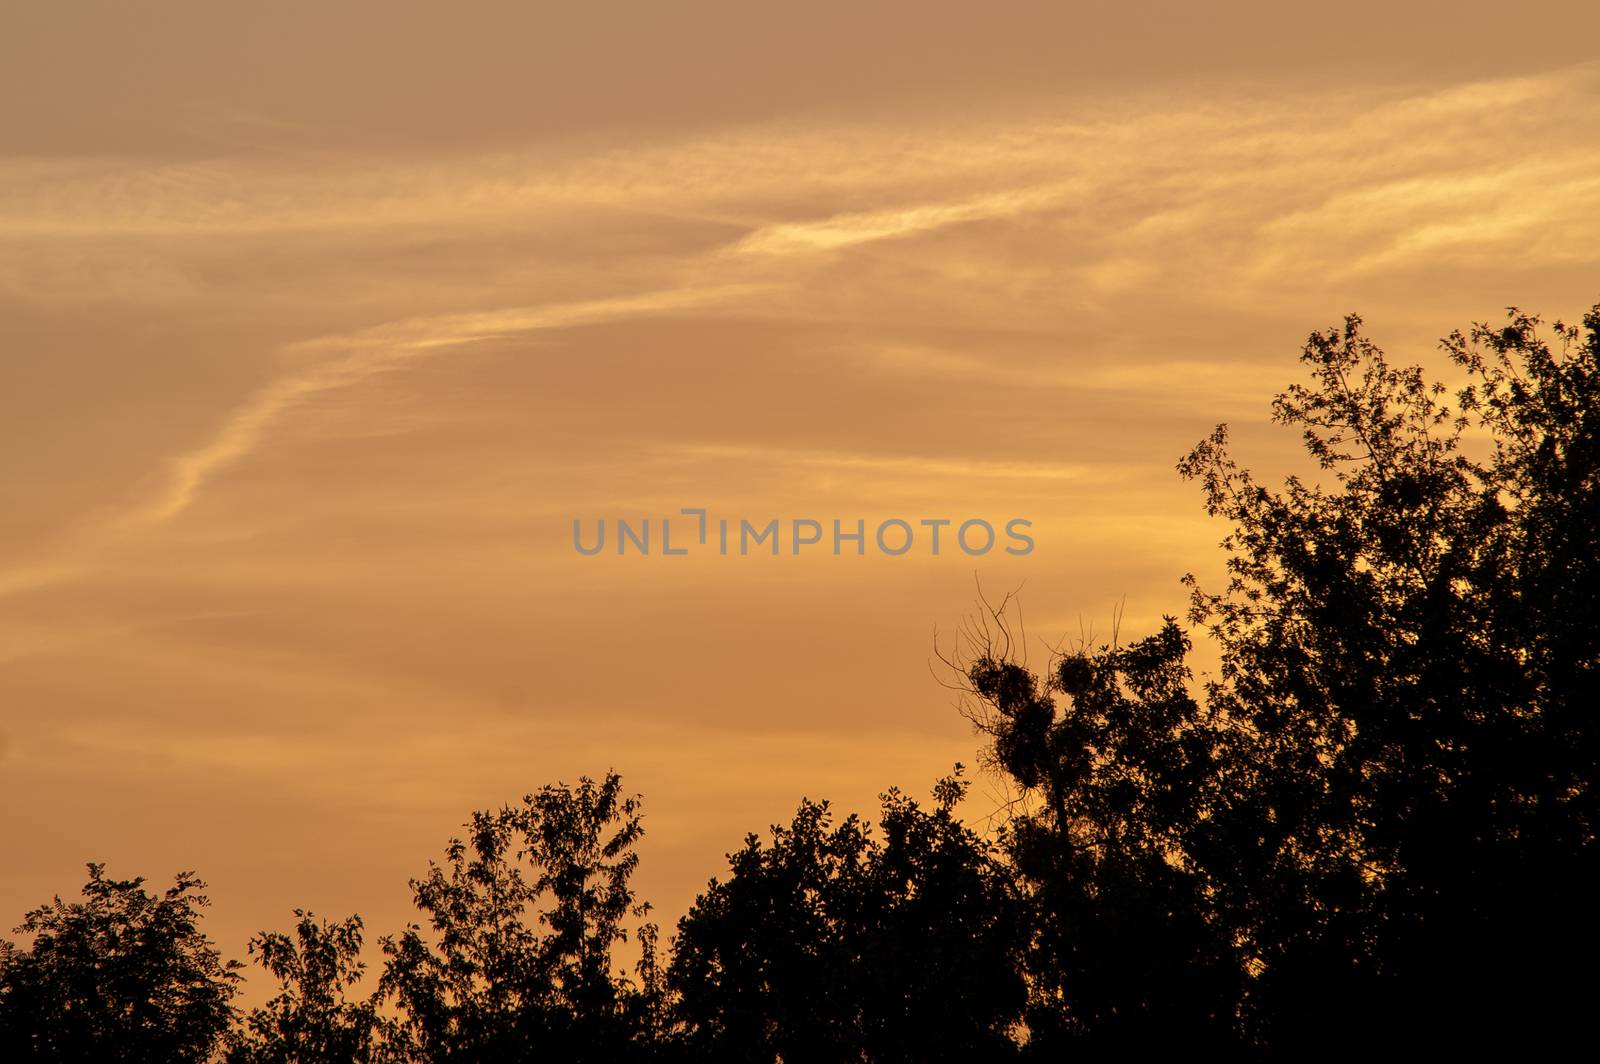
1375, 826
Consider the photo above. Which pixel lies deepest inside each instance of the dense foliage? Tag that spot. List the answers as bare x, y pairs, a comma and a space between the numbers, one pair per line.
123, 976
1380, 823
834, 944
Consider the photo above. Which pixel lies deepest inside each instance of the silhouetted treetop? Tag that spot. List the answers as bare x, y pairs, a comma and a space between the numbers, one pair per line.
123, 976
835, 942
524, 917
311, 1020
1382, 817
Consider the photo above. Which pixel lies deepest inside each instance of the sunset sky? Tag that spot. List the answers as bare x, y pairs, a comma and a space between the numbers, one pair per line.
320, 323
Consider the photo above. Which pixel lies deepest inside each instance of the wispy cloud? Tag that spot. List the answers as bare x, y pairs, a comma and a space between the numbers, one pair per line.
379, 350
828, 186
339, 361
847, 230
1238, 201
920, 465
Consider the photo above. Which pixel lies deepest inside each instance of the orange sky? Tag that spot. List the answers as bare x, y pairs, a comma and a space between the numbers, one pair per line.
318, 328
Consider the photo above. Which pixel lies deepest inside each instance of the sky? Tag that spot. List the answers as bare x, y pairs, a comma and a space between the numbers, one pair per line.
320, 325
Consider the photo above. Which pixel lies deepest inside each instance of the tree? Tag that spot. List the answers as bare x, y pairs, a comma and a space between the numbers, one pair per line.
122, 976
832, 943
311, 1020
1410, 661
525, 920
1115, 761
1381, 821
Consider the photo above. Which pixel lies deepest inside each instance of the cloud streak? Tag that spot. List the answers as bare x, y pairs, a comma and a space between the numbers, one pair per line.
383, 349
342, 361
1264, 195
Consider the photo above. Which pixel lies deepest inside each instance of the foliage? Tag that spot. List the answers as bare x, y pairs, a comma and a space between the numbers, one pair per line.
1412, 659
1127, 949
525, 919
123, 977
1385, 811
832, 943
311, 1020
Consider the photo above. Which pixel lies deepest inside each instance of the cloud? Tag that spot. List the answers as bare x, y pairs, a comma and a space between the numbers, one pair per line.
847, 230
1028, 220
907, 465
340, 361
380, 350
795, 185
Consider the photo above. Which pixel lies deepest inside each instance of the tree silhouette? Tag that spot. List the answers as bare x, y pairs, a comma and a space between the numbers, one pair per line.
1115, 762
832, 943
311, 1020
1381, 823
122, 976
524, 923
1410, 658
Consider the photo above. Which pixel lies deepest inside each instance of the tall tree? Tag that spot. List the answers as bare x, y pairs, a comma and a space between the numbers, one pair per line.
1380, 823
123, 976
1410, 656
